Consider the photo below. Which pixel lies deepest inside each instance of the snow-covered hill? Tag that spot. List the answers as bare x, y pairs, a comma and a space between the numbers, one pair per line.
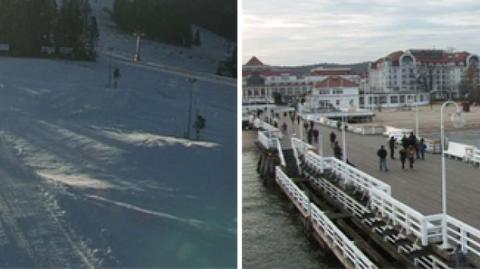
95, 177
205, 58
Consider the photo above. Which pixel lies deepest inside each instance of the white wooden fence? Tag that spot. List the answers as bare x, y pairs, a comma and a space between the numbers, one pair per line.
426, 228
322, 225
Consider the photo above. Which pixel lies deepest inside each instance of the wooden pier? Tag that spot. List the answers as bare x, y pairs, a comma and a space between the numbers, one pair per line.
419, 188
373, 219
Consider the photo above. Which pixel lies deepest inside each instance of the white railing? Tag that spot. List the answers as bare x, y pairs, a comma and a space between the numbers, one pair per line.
368, 129
267, 139
347, 172
297, 196
347, 202
267, 127
428, 228
412, 221
430, 262
324, 226
280, 153
462, 235
314, 161
299, 148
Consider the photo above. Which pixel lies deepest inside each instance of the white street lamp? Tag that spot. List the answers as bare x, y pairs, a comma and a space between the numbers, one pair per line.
458, 122
417, 132
344, 140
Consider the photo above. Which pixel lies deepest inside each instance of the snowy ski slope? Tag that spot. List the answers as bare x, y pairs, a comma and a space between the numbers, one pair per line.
96, 177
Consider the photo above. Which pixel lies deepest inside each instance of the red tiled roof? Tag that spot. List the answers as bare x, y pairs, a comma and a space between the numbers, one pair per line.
427, 57
395, 57
334, 81
330, 72
265, 73
254, 61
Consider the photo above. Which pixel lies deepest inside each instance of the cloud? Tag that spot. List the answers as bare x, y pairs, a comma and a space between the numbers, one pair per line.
310, 31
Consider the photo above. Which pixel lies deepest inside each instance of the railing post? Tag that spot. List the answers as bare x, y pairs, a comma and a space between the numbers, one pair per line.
407, 223
444, 232
424, 232
463, 237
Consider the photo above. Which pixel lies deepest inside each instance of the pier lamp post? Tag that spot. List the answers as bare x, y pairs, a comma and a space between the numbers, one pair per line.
416, 115
344, 140
458, 122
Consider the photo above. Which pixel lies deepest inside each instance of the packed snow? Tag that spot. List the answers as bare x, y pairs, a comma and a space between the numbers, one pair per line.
100, 177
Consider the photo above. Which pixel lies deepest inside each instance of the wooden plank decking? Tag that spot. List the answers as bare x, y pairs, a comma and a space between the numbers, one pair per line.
419, 188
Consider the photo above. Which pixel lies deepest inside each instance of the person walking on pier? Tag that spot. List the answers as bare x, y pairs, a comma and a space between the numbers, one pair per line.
403, 157
337, 151
391, 144
423, 148
316, 133
405, 142
284, 128
333, 138
412, 141
411, 155
382, 155
310, 136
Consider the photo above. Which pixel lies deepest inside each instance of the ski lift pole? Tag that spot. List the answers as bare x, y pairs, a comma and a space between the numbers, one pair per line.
192, 82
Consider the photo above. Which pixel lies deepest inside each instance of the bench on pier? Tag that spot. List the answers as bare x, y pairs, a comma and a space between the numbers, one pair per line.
474, 156
458, 150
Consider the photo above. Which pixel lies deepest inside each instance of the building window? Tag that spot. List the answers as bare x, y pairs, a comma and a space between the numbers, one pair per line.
337, 102
402, 99
394, 100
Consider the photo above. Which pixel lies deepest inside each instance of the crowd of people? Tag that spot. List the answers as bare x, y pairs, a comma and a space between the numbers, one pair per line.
411, 149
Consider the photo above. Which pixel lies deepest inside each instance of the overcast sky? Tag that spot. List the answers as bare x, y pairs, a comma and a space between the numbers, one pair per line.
299, 32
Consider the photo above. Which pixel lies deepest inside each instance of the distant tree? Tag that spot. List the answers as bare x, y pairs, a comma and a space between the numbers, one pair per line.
199, 125
28, 25
229, 66
161, 20
470, 86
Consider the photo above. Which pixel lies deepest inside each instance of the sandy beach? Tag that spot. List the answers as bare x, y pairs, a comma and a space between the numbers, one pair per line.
429, 118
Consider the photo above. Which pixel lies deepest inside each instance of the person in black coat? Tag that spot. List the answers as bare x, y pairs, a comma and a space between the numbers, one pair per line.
403, 157
337, 151
382, 155
391, 145
333, 138
316, 134
405, 142
310, 136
